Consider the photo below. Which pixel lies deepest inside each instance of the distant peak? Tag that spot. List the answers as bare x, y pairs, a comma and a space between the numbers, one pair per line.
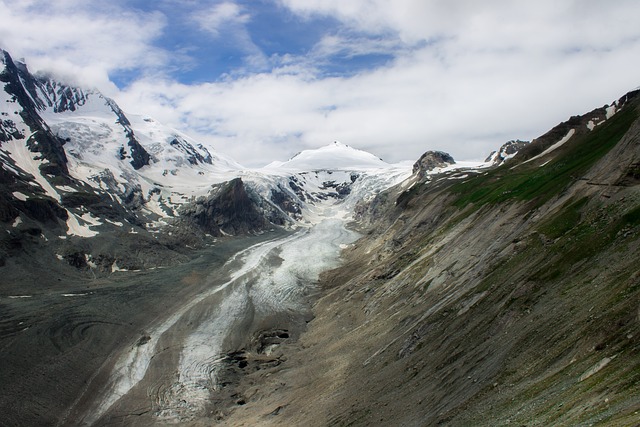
333, 156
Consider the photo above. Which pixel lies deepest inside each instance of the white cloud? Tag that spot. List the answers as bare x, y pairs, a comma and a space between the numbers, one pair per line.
82, 41
465, 76
219, 16
467, 105
486, 24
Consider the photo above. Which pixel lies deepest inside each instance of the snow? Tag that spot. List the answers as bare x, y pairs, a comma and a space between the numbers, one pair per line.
555, 146
611, 110
335, 156
17, 222
115, 268
81, 230
95, 138
90, 262
25, 160
18, 195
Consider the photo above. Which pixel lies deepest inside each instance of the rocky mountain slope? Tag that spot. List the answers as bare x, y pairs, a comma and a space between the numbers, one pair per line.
510, 296
77, 170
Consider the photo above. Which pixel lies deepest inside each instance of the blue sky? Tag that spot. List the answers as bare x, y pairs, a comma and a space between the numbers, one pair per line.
261, 80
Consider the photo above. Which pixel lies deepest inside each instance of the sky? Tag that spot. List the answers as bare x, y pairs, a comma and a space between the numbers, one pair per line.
262, 80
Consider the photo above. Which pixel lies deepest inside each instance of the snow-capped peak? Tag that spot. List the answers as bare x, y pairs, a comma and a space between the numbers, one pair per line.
334, 156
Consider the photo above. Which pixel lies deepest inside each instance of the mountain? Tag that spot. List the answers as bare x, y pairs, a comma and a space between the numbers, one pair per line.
75, 167
504, 296
149, 279
335, 172
77, 171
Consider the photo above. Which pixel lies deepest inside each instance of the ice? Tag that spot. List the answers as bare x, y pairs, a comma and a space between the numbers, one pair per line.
256, 281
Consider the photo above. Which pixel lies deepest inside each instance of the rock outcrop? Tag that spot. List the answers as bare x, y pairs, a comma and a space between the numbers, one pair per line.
228, 209
506, 152
430, 161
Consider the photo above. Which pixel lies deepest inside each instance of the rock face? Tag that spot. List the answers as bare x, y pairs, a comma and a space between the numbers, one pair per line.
138, 155
20, 85
506, 152
430, 161
228, 209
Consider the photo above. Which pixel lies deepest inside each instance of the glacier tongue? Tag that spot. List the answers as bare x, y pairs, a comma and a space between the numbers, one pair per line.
269, 279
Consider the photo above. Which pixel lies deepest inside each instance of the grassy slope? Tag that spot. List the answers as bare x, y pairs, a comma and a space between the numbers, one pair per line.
541, 183
556, 299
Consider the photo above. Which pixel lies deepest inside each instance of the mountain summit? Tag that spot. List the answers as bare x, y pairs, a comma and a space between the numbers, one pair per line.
334, 156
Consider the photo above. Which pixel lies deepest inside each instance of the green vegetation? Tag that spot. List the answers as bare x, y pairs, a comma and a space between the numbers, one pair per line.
565, 220
530, 182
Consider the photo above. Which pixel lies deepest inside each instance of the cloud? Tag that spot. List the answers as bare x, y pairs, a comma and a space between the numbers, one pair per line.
221, 15
468, 105
461, 76
81, 40
485, 24
462, 79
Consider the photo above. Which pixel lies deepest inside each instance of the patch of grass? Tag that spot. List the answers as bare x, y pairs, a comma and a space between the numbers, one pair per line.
578, 239
564, 220
530, 182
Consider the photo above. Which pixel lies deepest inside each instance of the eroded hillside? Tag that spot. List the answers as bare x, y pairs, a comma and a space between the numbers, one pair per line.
505, 297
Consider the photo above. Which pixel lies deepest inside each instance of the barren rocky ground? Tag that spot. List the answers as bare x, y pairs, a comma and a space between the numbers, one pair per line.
61, 330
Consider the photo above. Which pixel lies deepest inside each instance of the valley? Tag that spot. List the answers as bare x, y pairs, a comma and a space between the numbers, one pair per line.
146, 279
60, 339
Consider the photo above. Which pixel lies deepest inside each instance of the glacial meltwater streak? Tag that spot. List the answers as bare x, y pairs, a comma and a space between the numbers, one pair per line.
273, 277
